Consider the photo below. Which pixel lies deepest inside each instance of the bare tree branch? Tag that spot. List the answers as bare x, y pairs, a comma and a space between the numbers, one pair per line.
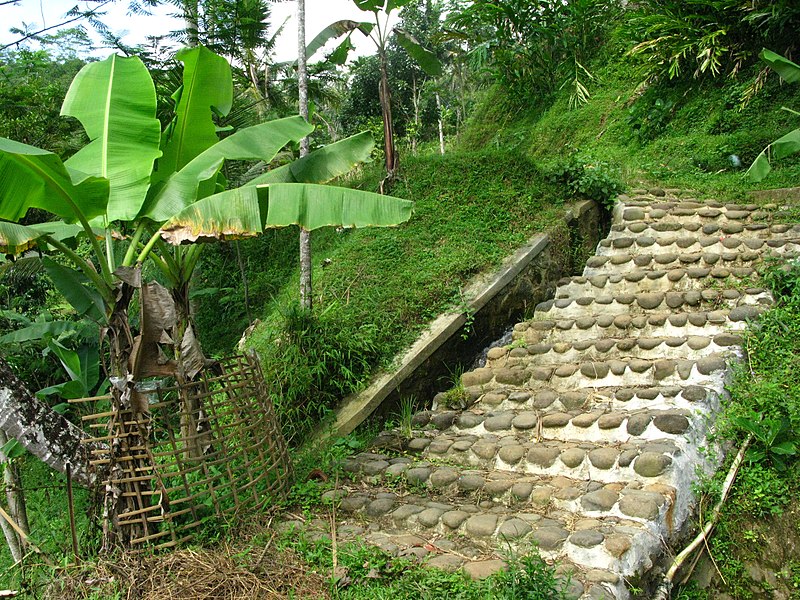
27, 36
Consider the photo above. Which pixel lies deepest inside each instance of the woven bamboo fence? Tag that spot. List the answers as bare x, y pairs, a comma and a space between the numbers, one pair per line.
181, 454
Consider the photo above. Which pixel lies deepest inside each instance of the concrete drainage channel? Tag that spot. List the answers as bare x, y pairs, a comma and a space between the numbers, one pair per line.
581, 439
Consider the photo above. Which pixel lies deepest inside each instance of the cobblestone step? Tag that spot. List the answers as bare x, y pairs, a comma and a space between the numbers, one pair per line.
652, 302
713, 244
693, 397
660, 325
659, 229
436, 486
599, 424
697, 264
692, 212
606, 348
634, 372
668, 280
606, 461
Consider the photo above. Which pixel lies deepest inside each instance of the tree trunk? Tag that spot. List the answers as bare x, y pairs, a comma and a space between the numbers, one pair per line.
15, 500
13, 492
386, 112
15, 495
12, 539
415, 98
44, 433
191, 17
441, 124
302, 85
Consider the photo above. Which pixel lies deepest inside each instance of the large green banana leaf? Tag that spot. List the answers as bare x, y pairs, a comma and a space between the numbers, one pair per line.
77, 289
207, 89
425, 58
197, 179
781, 148
335, 30
115, 101
789, 143
323, 165
15, 239
38, 330
783, 66
34, 178
247, 211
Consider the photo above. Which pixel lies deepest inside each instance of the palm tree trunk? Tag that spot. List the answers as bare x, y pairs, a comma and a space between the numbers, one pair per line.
441, 124
44, 433
191, 17
302, 84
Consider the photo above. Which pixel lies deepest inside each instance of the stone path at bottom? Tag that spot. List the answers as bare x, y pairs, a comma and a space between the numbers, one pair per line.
582, 438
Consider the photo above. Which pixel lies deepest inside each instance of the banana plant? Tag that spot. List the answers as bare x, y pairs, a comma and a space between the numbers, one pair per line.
379, 32
785, 145
150, 186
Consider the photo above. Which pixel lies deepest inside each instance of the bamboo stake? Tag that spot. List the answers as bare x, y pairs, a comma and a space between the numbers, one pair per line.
14, 525
71, 506
664, 591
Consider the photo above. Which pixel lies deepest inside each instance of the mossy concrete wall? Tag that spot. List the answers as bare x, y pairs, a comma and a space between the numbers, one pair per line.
492, 302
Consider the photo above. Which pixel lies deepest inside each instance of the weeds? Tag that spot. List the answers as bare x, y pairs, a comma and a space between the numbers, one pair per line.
765, 404
366, 573
585, 178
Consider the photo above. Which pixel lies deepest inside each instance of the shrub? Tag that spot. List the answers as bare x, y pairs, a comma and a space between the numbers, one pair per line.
312, 362
585, 178
535, 47
680, 38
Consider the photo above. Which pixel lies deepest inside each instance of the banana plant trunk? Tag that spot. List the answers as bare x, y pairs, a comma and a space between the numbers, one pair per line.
194, 423
128, 427
386, 111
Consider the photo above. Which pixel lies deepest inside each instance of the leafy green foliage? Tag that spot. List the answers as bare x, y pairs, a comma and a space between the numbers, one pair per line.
648, 119
313, 362
31, 90
775, 440
765, 404
787, 144
694, 38
584, 178
535, 47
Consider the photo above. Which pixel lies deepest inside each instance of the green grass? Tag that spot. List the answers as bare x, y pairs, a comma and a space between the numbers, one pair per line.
375, 290
46, 498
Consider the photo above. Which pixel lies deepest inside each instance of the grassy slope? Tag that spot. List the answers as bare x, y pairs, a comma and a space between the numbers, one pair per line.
687, 145
376, 289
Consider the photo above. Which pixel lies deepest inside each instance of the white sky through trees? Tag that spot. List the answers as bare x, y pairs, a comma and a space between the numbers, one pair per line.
319, 14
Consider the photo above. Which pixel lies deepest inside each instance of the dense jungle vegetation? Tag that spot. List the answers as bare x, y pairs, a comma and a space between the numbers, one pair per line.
500, 112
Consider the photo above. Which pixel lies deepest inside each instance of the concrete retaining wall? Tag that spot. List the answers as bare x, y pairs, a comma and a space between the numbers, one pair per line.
492, 303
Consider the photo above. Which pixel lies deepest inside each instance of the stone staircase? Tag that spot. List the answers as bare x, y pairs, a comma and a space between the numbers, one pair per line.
582, 438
